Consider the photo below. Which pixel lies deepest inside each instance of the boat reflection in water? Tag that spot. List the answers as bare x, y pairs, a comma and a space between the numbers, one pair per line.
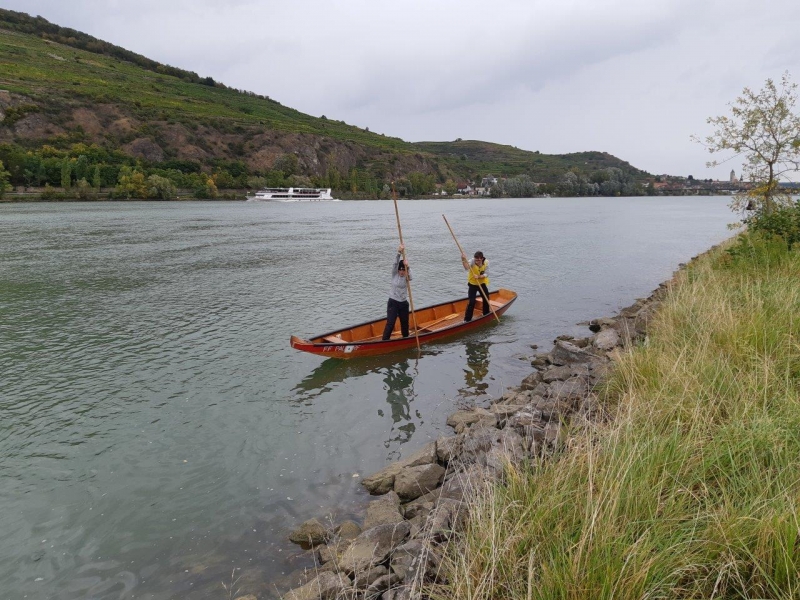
398, 373
333, 371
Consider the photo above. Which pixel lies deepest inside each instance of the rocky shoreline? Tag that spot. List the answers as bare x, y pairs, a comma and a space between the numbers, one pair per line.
425, 497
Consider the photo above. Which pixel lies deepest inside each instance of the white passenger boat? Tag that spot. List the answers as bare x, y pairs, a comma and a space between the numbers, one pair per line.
294, 194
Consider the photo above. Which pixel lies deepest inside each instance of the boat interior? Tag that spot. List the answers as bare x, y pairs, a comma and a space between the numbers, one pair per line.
428, 320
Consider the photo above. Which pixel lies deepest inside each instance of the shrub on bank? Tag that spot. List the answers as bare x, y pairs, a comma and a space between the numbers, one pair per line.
783, 222
692, 489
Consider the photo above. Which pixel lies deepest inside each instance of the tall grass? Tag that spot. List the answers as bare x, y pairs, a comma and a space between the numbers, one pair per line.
692, 490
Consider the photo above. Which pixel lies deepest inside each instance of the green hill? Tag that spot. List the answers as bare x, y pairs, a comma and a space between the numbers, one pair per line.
74, 108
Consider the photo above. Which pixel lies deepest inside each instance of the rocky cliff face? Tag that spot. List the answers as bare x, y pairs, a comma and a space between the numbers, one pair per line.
25, 122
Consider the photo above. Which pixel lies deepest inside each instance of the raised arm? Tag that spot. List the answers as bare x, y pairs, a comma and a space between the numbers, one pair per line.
397, 258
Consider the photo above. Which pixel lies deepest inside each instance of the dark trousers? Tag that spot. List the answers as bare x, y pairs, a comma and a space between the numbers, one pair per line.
396, 309
473, 294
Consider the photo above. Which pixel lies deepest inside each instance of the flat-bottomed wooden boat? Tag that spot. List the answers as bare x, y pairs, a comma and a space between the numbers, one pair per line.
433, 322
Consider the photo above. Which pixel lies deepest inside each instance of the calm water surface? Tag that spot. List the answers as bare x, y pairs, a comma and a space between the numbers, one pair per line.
157, 432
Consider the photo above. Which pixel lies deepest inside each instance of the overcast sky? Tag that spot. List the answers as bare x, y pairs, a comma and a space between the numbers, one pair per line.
634, 78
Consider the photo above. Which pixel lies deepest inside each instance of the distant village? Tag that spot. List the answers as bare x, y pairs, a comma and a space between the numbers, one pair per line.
660, 185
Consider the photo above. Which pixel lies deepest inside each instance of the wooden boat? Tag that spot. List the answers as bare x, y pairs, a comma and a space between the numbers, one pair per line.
434, 322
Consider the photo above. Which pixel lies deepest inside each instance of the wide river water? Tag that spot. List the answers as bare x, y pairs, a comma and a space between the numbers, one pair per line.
159, 437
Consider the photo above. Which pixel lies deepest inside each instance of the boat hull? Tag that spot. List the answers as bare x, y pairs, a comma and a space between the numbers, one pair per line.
434, 322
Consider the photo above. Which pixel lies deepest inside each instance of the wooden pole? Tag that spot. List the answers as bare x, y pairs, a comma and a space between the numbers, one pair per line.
408, 272
480, 287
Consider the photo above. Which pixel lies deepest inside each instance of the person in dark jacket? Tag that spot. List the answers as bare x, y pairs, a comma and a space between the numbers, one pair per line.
398, 296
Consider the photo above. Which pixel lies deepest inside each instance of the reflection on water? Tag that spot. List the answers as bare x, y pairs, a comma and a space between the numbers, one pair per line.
477, 369
399, 386
397, 371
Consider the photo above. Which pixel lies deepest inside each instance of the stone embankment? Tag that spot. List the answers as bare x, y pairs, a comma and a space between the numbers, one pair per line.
424, 498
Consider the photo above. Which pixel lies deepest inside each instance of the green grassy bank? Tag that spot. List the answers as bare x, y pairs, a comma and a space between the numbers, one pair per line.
692, 489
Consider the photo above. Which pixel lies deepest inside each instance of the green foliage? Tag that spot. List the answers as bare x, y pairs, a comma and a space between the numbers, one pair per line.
66, 174
15, 113
50, 193
520, 186
184, 166
256, 183
288, 164
782, 223
206, 188
4, 175
97, 180
421, 184
82, 189
758, 249
160, 187
131, 184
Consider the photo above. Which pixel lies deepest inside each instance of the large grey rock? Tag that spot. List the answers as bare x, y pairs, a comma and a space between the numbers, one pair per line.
477, 443
572, 389
505, 411
332, 552
531, 381
511, 443
630, 311
325, 586
383, 511
372, 547
565, 353
447, 448
556, 374
607, 339
417, 508
601, 323
416, 560
383, 583
348, 530
552, 409
311, 532
456, 487
540, 390
383, 481
413, 482
366, 578
463, 419
445, 519
523, 419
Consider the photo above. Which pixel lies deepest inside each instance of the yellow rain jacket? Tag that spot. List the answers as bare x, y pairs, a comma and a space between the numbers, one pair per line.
482, 270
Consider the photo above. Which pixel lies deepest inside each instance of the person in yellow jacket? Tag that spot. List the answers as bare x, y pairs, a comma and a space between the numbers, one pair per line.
478, 269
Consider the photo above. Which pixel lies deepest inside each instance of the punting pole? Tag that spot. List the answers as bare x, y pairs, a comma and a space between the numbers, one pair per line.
480, 287
408, 283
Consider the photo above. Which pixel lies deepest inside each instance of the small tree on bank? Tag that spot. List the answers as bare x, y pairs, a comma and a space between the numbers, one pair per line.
765, 129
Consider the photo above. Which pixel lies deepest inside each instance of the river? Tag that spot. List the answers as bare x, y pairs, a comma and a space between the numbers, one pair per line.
159, 436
